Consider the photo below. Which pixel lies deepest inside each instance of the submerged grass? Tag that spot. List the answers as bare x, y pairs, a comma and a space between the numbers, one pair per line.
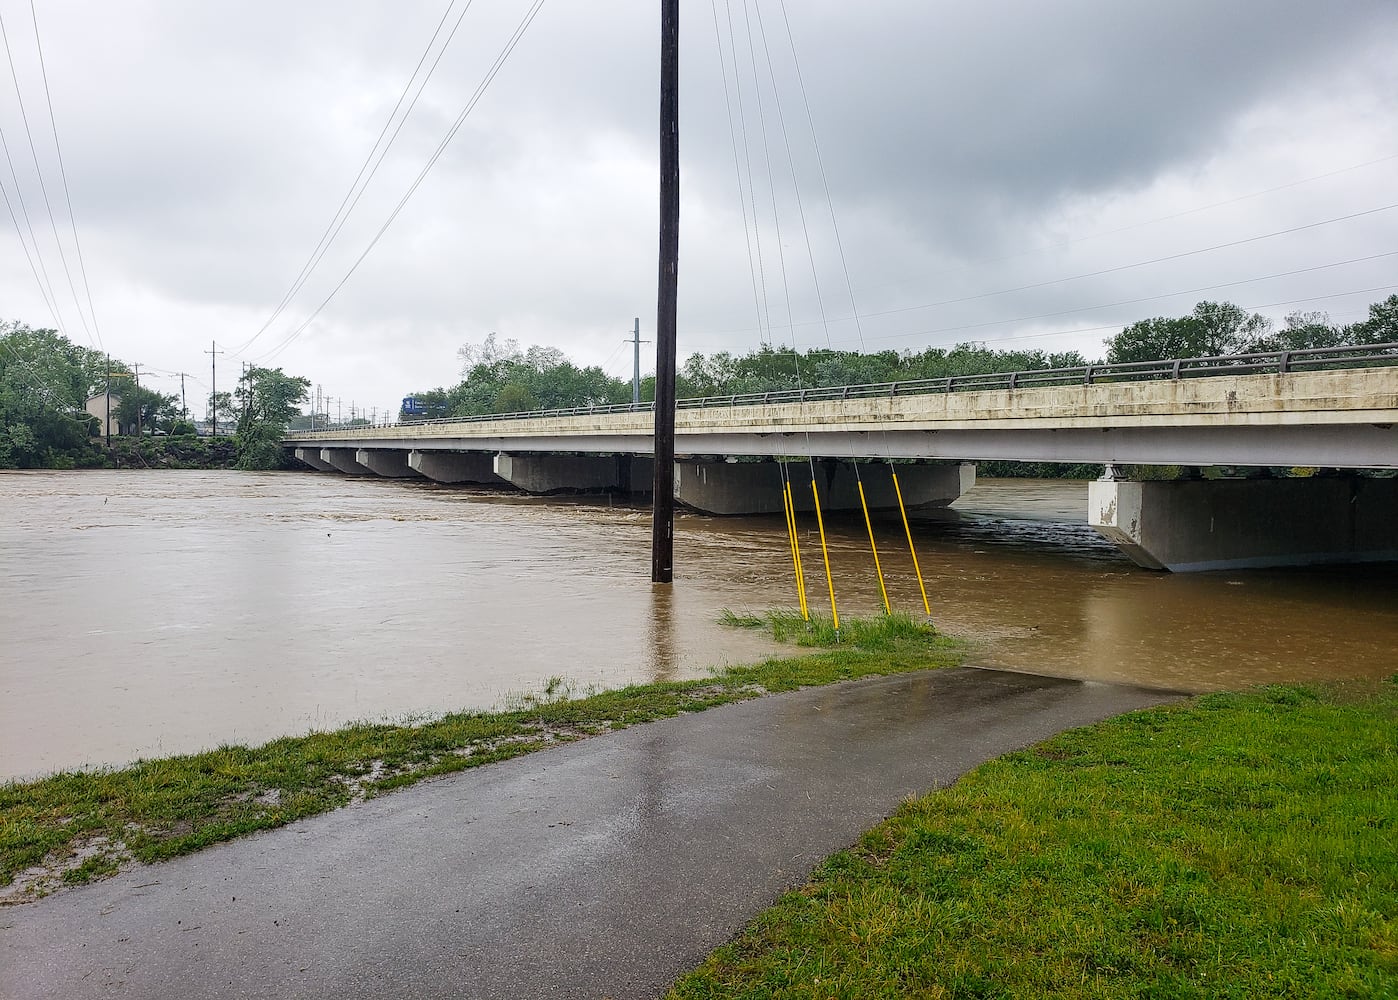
1236, 845
79, 825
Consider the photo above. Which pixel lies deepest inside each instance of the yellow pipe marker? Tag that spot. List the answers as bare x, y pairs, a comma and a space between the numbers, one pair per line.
796, 547
875, 549
916, 569
787, 508
829, 580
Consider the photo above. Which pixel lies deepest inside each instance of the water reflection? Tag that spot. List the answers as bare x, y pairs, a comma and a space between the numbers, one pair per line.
665, 663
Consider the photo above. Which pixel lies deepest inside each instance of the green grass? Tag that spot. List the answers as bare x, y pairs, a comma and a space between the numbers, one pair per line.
80, 825
1235, 845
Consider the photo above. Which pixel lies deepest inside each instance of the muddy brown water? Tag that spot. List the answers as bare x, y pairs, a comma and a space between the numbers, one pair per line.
151, 613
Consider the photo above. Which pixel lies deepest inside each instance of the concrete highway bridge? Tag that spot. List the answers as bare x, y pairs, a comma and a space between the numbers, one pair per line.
1334, 409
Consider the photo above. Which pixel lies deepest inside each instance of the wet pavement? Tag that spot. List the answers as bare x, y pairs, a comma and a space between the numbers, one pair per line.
604, 868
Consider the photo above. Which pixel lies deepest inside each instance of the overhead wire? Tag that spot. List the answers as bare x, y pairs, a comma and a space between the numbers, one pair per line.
975, 261
1128, 302
46, 283
63, 175
44, 292
737, 165
356, 189
494, 70
43, 187
1111, 270
1077, 331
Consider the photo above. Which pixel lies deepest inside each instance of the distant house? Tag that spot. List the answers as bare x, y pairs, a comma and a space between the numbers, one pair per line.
98, 406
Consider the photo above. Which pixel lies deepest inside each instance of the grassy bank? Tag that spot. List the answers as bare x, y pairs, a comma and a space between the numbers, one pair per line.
1237, 845
76, 826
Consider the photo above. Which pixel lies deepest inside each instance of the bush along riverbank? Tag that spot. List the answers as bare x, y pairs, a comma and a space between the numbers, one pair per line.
75, 826
1236, 845
178, 452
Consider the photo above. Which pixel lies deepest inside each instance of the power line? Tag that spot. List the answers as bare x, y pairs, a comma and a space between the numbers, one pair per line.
1129, 302
45, 284
1118, 326
961, 265
432, 160
63, 174
43, 188
356, 190
43, 291
1118, 268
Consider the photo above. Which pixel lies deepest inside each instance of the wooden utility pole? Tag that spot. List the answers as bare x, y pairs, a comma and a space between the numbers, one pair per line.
108, 427
662, 569
136, 368
213, 352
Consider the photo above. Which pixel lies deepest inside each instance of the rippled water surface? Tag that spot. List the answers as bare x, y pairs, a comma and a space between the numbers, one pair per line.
149, 613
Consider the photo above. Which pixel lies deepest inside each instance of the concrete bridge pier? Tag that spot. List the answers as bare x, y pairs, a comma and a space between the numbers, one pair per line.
343, 460
311, 456
1194, 525
456, 466
756, 487
391, 464
544, 473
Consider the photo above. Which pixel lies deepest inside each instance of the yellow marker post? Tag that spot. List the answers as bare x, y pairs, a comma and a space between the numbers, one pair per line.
916, 569
883, 591
789, 511
829, 580
796, 550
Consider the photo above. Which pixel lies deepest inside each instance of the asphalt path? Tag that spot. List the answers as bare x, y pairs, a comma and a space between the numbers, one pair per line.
603, 868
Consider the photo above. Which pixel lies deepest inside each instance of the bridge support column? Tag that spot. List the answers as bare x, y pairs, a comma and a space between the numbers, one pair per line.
575, 473
756, 487
1189, 526
455, 466
387, 462
311, 456
342, 460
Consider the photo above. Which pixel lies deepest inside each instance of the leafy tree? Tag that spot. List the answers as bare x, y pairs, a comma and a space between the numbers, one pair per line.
45, 381
268, 399
221, 404
145, 408
1303, 330
1380, 328
1211, 330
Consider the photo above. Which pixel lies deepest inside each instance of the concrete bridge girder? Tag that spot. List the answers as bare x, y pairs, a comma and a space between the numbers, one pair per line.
551, 473
311, 457
343, 460
456, 466
1372, 446
391, 463
1195, 525
756, 487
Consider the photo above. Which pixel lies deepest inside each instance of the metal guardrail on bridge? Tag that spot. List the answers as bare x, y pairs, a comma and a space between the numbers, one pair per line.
1261, 363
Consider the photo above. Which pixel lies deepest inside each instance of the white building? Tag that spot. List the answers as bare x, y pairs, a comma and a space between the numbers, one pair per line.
99, 407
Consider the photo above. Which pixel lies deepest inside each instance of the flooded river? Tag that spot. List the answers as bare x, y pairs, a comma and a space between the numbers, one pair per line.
151, 613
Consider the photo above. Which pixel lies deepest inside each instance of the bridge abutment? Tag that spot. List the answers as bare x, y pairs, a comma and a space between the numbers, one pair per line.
756, 487
343, 460
384, 462
456, 466
545, 473
1195, 525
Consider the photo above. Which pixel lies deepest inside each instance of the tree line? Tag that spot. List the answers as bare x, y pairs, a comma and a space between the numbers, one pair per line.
498, 377
46, 381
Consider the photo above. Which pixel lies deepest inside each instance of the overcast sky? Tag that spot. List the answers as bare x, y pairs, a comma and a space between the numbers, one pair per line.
970, 150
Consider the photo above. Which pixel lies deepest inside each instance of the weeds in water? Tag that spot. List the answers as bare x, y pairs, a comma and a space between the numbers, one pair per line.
870, 634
